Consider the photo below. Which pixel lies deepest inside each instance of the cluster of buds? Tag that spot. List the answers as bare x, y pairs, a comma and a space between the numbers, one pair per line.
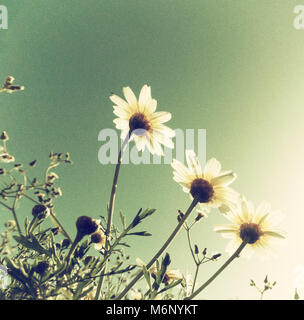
4, 155
213, 257
9, 87
40, 211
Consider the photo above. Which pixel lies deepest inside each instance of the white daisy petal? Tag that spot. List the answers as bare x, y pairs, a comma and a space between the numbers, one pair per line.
145, 95
118, 101
161, 117
129, 95
193, 163
152, 105
212, 169
224, 179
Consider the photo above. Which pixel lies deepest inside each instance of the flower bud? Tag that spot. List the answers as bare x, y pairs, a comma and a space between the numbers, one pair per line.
86, 225
4, 136
200, 215
41, 267
65, 243
196, 251
88, 260
40, 211
180, 215
9, 81
216, 256
33, 163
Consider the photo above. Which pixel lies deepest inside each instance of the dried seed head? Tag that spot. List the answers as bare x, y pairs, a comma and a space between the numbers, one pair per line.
40, 211
65, 243
86, 225
41, 267
55, 231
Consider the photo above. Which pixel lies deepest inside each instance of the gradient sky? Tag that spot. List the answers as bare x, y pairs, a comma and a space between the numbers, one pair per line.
234, 68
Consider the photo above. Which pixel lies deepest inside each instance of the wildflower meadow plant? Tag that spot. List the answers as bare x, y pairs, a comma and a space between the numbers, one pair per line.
45, 262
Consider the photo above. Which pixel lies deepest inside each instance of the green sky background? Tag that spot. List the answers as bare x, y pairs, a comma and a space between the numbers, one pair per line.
232, 67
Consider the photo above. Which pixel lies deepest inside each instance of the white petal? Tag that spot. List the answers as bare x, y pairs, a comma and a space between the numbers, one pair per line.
129, 95
120, 112
160, 117
118, 101
121, 124
145, 95
224, 179
273, 234
212, 169
193, 163
163, 139
226, 228
164, 130
152, 105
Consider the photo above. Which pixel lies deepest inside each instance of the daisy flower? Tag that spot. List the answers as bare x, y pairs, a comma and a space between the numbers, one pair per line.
138, 117
209, 186
257, 226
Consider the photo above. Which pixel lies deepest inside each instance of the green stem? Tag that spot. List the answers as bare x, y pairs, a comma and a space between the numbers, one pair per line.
195, 277
73, 247
15, 215
114, 185
161, 250
111, 208
223, 267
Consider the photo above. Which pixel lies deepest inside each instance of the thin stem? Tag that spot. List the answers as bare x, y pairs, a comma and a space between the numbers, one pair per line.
111, 208
114, 185
190, 245
195, 277
202, 287
73, 247
161, 250
6, 206
15, 215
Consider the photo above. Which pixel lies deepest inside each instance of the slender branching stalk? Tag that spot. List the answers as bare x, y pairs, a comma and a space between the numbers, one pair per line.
219, 271
161, 250
111, 207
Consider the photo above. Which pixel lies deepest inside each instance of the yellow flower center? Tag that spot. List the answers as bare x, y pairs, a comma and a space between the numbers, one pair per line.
202, 190
251, 232
139, 122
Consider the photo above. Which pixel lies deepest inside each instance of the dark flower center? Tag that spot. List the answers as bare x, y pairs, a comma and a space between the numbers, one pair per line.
202, 190
251, 232
140, 123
